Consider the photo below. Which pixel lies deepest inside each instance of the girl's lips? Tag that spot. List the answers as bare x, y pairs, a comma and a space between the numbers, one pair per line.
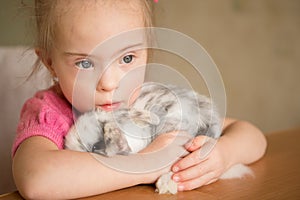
110, 107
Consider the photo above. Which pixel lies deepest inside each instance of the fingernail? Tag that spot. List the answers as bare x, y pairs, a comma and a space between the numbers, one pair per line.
175, 169
188, 145
180, 188
176, 178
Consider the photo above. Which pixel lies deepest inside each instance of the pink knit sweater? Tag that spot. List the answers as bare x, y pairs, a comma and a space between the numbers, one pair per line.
46, 114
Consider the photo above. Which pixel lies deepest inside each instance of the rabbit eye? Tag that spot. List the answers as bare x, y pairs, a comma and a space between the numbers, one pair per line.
98, 146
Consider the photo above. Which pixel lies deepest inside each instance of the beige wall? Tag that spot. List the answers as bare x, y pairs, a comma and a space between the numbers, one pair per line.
255, 44
14, 23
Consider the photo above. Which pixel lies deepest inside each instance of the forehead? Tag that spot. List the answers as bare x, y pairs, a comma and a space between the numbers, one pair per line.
85, 24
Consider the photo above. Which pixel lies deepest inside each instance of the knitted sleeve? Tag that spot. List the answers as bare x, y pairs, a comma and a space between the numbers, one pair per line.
47, 115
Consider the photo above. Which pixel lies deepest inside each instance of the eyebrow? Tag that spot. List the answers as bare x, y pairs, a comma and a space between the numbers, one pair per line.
75, 54
116, 53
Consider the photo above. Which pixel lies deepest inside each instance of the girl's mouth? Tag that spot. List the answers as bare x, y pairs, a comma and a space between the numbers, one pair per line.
110, 106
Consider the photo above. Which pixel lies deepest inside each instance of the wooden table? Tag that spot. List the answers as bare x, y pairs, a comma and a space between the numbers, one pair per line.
277, 176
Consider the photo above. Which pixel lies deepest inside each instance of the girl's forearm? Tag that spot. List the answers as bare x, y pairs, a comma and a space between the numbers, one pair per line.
242, 142
60, 174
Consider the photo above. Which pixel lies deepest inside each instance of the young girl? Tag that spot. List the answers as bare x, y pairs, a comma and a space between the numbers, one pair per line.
67, 31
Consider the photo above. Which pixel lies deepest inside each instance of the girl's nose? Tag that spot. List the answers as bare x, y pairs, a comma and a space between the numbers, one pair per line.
109, 80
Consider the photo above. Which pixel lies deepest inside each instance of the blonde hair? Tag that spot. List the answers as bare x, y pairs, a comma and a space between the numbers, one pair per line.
45, 19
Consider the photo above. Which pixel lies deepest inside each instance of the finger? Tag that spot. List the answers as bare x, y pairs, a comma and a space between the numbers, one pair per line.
211, 181
196, 143
193, 172
197, 182
207, 147
176, 133
190, 160
197, 156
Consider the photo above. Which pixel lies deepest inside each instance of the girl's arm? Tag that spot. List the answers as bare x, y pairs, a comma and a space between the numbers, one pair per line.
41, 171
241, 142
245, 142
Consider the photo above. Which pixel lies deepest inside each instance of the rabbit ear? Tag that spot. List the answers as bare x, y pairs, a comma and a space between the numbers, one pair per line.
154, 119
124, 146
144, 117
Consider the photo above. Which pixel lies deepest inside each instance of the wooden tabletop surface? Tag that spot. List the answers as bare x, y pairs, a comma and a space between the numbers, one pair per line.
277, 176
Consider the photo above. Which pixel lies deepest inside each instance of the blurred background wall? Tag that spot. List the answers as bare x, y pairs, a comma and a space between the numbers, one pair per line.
255, 44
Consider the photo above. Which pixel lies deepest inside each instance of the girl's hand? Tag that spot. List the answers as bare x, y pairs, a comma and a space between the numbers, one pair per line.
204, 165
163, 152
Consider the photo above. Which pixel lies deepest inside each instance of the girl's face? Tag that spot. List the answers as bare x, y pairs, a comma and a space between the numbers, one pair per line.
95, 65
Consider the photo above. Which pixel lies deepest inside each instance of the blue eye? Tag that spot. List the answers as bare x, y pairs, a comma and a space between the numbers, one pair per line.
127, 59
84, 64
